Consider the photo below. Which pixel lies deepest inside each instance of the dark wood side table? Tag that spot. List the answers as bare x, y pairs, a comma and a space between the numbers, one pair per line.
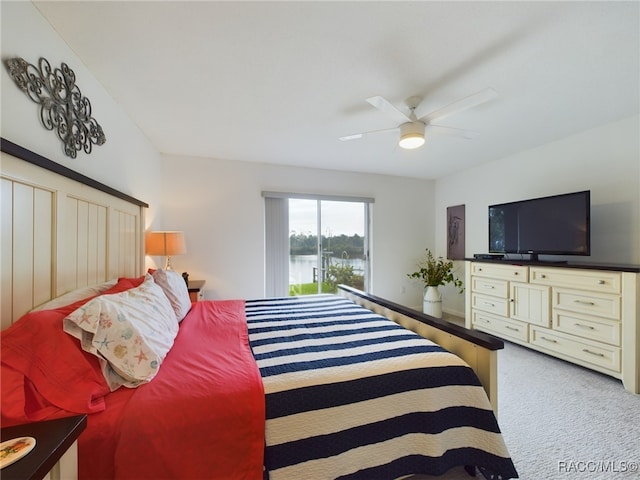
195, 290
53, 439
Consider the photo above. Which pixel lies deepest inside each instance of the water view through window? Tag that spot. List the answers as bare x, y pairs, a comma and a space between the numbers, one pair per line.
327, 245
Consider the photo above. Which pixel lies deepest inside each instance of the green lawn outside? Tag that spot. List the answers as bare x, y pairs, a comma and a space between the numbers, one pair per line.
308, 289
311, 288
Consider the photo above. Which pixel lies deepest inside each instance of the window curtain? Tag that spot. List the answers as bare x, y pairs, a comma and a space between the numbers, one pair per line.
276, 247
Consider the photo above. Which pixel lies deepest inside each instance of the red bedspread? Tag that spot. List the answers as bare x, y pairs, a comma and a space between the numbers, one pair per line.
202, 416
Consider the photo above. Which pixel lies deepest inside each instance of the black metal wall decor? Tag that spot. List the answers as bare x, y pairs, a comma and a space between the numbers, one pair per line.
62, 106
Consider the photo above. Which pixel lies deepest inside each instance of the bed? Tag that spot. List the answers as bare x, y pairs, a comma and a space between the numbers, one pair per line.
350, 394
298, 387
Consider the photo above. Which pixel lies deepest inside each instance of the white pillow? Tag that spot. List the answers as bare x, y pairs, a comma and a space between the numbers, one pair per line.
130, 332
175, 288
75, 295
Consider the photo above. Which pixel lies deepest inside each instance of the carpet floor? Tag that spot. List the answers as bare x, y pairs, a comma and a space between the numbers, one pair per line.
562, 421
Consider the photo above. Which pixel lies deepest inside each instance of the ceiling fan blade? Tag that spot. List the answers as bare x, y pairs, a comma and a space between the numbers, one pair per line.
387, 107
452, 132
357, 136
459, 105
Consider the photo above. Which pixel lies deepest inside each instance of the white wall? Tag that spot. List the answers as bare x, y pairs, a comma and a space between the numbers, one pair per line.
126, 162
219, 206
605, 160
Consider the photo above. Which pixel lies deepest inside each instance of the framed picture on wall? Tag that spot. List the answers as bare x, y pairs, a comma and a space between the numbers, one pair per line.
455, 232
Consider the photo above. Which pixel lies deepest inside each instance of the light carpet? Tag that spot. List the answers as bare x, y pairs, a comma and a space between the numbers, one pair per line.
562, 421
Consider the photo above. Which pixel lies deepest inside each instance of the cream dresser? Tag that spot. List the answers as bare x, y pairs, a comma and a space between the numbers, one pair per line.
585, 314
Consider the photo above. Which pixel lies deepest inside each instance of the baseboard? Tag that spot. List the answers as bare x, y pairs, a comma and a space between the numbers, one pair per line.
453, 317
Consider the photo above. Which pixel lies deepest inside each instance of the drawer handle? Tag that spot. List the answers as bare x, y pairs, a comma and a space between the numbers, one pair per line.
489, 304
490, 287
543, 276
584, 302
515, 273
512, 328
597, 354
601, 282
549, 339
589, 327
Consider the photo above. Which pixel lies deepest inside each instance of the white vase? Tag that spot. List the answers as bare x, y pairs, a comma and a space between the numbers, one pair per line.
432, 302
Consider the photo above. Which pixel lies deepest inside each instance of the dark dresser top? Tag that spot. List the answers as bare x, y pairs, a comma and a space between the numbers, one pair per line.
586, 266
53, 439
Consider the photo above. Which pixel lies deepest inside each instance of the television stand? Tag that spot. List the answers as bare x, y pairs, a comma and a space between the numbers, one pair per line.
534, 258
536, 261
586, 314
492, 257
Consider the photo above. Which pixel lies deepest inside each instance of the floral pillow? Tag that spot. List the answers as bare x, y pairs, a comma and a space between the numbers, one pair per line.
175, 288
130, 332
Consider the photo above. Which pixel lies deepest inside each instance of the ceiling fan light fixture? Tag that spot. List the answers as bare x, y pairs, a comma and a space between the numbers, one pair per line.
411, 135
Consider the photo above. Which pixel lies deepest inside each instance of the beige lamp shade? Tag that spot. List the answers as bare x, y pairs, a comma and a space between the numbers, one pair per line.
166, 244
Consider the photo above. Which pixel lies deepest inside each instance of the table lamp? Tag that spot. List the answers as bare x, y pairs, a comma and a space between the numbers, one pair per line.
166, 244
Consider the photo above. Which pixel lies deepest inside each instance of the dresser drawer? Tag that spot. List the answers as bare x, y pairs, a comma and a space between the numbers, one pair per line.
500, 326
498, 306
592, 328
586, 302
584, 351
592, 280
505, 272
488, 286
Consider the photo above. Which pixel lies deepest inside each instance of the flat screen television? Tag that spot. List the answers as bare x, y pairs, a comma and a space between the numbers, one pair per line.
555, 225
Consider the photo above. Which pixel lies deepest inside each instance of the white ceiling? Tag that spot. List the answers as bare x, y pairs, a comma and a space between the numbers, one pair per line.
279, 82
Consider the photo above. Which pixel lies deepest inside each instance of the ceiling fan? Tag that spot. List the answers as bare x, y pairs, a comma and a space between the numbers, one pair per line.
412, 126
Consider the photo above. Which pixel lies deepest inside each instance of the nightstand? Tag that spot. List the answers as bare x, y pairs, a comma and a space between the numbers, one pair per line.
55, 455
195, 290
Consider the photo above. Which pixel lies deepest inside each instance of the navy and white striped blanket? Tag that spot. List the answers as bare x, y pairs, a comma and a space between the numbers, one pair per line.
352, 395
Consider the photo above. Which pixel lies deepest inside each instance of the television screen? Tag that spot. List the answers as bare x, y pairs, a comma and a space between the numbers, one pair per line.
556, 225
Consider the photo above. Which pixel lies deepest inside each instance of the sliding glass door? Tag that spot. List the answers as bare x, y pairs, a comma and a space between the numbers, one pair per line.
328, 244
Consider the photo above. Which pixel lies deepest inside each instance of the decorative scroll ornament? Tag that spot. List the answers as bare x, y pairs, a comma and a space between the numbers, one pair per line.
62, 106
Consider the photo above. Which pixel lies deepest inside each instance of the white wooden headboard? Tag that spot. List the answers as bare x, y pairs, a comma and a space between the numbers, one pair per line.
60, 231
